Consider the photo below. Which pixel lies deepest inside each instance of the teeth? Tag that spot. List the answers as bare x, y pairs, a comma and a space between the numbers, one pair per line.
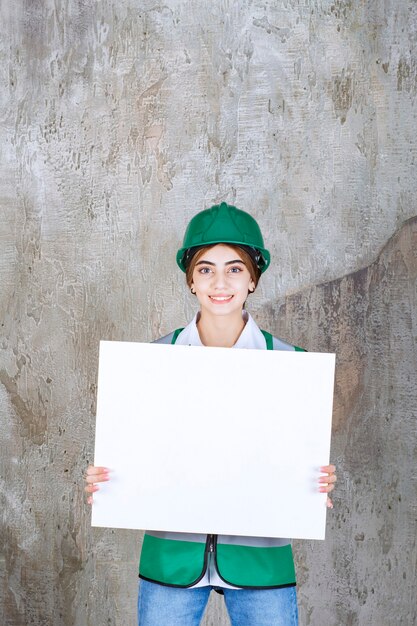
220, 298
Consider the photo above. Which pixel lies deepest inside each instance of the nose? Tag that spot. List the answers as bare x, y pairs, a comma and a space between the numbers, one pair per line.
219, 281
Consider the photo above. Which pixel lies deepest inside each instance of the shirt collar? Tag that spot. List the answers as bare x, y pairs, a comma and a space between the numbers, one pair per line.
250, 337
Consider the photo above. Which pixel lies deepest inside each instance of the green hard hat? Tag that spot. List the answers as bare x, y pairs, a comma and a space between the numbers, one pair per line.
223, 223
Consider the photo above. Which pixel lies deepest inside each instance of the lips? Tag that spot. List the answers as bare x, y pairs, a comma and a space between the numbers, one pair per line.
220, 299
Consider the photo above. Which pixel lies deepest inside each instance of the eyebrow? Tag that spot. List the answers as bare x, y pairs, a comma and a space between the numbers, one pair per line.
213, 264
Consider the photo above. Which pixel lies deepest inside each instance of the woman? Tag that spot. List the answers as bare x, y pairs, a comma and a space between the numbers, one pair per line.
223, 256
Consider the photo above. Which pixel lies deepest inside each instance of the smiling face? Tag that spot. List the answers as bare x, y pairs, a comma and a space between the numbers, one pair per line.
221, 280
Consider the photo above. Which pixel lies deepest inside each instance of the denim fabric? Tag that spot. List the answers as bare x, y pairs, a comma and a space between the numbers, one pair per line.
171, 606
262, 607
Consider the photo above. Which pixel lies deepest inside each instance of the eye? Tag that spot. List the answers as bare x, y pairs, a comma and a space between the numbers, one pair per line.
204, 270
235, 269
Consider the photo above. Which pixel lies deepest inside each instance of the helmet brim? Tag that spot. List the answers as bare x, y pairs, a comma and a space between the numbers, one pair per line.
264, 252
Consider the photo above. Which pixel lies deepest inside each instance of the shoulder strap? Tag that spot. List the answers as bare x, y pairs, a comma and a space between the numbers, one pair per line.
269, 340
175, 334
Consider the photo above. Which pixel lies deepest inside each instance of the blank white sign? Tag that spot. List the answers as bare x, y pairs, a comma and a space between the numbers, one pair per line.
213, 440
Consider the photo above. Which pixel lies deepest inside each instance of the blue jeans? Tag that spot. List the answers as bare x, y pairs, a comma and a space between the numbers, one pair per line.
172, 606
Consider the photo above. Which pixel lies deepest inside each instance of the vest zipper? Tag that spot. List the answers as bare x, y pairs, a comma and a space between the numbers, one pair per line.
211, 556
211, 543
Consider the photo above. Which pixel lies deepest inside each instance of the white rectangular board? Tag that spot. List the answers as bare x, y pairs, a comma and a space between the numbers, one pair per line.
213, 440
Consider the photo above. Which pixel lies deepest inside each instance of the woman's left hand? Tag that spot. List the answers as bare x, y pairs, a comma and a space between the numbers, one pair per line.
327, 482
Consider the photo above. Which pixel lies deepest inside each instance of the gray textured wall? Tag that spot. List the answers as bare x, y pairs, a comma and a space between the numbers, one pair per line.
118, 120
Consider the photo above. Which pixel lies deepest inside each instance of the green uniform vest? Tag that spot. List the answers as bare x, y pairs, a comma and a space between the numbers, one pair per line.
253, 562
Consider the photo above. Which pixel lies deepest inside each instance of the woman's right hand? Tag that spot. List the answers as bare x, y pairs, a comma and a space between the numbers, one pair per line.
95, 475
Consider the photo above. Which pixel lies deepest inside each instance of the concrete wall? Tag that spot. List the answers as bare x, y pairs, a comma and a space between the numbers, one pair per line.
118, 121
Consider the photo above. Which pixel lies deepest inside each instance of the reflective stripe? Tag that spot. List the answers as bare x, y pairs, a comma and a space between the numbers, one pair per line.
164, 339
254, 542
278, 344
177, 536
231, 540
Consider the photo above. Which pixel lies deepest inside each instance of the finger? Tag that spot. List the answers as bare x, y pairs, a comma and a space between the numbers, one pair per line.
328, 479
329, 503
328, 469
92, 470
326, 488
98, 477
90, 500
91, 488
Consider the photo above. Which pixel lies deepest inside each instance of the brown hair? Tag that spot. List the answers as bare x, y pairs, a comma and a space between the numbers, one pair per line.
253, 269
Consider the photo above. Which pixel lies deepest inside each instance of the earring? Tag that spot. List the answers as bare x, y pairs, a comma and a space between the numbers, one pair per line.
251, 290
193, 292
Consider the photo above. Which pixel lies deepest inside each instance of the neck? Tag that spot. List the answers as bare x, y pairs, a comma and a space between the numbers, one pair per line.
220, 331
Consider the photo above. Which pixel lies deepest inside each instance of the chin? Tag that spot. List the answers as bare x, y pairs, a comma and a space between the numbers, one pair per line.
223, 310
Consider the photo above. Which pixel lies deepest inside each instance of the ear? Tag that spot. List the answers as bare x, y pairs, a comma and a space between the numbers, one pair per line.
251, 286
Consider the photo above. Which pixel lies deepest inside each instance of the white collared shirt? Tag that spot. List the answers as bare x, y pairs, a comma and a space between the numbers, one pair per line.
250, 337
